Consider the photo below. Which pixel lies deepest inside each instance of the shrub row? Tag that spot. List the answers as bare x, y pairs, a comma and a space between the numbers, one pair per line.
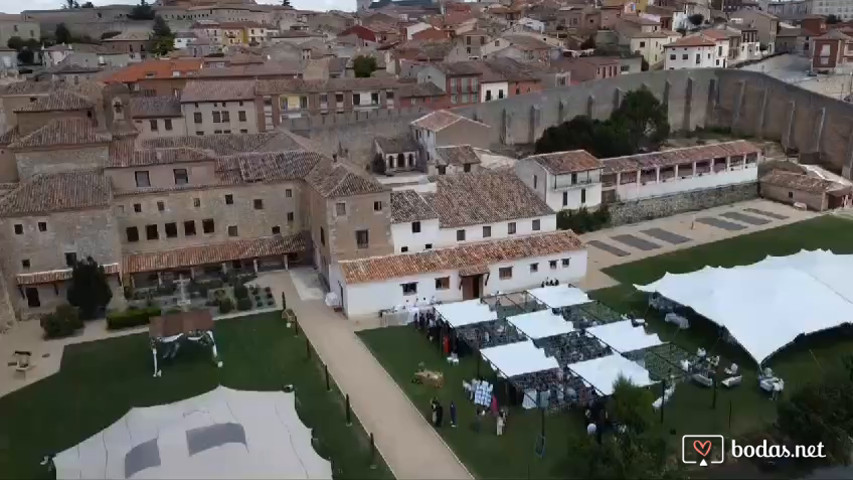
131, 318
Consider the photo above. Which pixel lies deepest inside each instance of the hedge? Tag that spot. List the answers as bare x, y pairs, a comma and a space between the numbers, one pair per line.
63, 322
131, 318
226, 305
244, 304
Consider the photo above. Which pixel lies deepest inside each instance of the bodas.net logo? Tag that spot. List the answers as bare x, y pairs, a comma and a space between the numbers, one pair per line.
703, 450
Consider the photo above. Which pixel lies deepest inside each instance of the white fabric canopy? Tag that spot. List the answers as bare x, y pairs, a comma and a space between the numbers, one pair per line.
458, 314
624, 337
540, 324
766, 305
518, 358
559, 296
603, 372
223, 433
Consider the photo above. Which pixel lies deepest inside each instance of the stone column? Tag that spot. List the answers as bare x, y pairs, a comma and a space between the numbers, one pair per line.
617, 98
224, 268
159, 279
255, 264
561, 111
738, 103
688, 104
818, 133
788, 134
286, 266
590, 101
762, 115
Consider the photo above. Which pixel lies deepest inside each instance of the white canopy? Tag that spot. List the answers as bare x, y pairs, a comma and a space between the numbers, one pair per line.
603, 372
223, 433
540, 324
458, 314
624, 337
766, 305
559, 296
518, 358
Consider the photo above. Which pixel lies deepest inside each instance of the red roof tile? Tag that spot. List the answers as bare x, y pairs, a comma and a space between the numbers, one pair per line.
559, 163
52, 276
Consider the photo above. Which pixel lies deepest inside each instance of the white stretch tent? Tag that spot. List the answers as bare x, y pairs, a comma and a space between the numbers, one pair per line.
540, 324
559, 296
766, 305
518, 358
624, 337
603, 372
223, 433
459, 314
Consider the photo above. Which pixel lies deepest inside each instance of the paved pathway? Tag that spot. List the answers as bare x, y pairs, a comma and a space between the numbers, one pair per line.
411, 448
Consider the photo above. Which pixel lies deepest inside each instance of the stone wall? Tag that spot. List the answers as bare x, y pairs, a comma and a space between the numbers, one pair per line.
637, 211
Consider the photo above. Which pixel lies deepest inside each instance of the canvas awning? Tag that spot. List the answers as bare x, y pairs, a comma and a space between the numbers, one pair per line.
518, 358
541, 324
559, 296
603, 372
458, 314
624, 337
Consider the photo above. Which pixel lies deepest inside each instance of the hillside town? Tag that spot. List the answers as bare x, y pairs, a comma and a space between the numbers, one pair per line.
404, 238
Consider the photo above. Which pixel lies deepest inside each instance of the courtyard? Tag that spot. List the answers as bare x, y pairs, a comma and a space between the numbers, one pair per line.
741, 411
100, 381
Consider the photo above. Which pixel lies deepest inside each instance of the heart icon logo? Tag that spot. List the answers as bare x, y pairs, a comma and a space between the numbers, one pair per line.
702, 447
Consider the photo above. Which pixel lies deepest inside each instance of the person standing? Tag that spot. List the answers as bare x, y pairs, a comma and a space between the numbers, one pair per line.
433, 406
439, 414
500, 424
452, 414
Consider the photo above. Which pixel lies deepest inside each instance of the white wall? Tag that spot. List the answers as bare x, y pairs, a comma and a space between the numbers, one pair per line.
368, 298
498, 90
633, 191
474, 233
554, 198
402, 236
677, 58
544, 188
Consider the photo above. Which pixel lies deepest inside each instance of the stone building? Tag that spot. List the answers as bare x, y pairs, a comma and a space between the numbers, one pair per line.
221, 107
814, 193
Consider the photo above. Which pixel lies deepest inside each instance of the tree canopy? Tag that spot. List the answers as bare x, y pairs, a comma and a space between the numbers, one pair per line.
696, 19
143, 11
89, 291
364, 66
62, 34
285, 3
70, 4
378, 165
164, 39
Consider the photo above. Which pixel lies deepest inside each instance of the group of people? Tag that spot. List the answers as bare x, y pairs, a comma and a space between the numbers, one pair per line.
550, 283
438, 413
426, 321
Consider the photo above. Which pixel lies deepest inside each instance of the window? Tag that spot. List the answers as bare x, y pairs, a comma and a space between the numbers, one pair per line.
151, 232
181, 176
232, 230
189, 228
217, 117
416, 227
552, 264
505, 273
289, 217
361, 239
566, 262
340, 209
207, 226
243, 130
288, 193
790, 194
132, 234
672, 57
322, 236
510, 228
229, 199
377, 206
565, 198
70, 258
356, 99
153, 124
42, 226
487, 231
226, 117
142, 179
25, 263
19, 229
460, 235
168, 124
339, 97
196, 202
171, 230
410, 288
259, 204
534, 267
442, 283
642, 44
583, 195
535, 181
374, 99
466, 168
241, 115
404, 249
197, 117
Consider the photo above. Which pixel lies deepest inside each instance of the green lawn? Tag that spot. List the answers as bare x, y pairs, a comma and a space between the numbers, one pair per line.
100, 381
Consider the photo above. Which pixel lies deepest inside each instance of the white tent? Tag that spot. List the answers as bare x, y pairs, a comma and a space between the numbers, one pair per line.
459, 314
765, 306
603, 372
624, 337
518, 358
541, 324
559, 296
223, 433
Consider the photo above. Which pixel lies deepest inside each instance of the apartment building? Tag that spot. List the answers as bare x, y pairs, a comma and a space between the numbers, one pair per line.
442, 128
459, 80
157, 117
691, 52
14, 25
221, 107
563, 180
137, 44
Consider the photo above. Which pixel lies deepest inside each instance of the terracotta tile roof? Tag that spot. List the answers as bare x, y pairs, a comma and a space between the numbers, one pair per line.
466, 256
834, 34
278, 166
214, 253
675, 156
441, 119
410, 206
69, 131
53, 276
485, 197
272, 69
796, 181
132, 36
155, 69
9, 136
420, 90
218, 91
717, 34
59, 100
334, 179
26, 88
524, 42
559, 163
293, 85
228, 144
155, 107
163, 156
694, 41
456, 155
403, 143
56, 193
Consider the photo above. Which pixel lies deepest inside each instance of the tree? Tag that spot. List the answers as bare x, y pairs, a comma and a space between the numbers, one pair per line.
87, 5
696, 19
363, 66
644, 117
163, 38
378, 165
61, 323
143, 11
631, 406
285, 3
160, 27
15, 43
62, 34
644, 65
70, 4
26, 56
832, 19
588, 43
89, 291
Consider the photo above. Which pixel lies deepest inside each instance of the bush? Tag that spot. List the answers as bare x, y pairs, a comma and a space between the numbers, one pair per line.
174, 310
131, 318
582, 221
61, 323
240, 291
244, 304
226, 305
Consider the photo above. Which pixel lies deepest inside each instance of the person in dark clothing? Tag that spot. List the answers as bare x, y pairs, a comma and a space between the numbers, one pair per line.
453, 414
439, 414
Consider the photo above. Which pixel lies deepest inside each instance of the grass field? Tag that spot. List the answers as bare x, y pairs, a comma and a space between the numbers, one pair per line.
99, 381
